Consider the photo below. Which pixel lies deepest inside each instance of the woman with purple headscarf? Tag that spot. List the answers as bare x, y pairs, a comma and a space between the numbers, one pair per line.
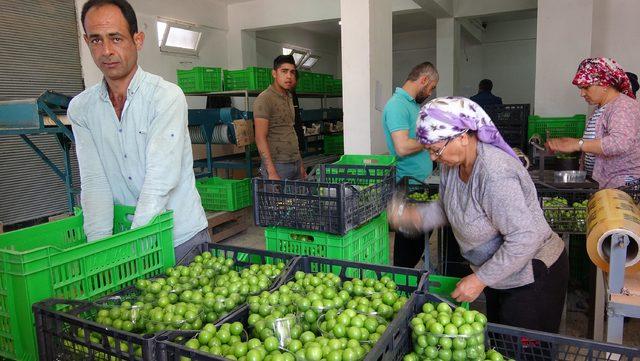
491, 204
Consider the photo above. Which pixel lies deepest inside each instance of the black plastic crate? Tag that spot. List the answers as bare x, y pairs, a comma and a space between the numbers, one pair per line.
334, 199
512, 342
411, 185
171, 344
61, 323
565, 219
512, 120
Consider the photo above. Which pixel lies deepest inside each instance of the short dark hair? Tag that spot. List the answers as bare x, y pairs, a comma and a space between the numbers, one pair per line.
421, 69
283, 59
124, 6
485, 85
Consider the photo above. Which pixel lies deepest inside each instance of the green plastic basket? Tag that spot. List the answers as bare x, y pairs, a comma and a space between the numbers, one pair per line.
251, 78
443, 286
54, 260
220, 194
200, 80
333, 144
572, 127
368, 243
327, 82
369, 159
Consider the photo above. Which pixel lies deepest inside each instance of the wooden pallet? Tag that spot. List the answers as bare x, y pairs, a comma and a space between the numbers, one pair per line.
223, 225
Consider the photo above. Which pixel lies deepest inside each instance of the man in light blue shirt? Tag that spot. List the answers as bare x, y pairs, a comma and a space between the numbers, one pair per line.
131, 135
399, 125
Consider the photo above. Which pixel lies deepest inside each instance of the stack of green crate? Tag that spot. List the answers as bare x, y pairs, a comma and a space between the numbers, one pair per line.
200, 80
218, 194
368, 243
334, 87
54, 260
333, 144
310, 82
251, 78
327, 82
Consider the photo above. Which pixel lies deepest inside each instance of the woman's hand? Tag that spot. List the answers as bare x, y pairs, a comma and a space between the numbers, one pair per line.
403, 216
468, 289
564, 145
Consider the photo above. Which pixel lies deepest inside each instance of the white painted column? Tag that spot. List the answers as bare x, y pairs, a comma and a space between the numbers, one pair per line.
563, 39
241, 48
366, 73
447, 48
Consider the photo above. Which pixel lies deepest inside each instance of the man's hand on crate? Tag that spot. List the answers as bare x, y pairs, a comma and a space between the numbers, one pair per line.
468, 289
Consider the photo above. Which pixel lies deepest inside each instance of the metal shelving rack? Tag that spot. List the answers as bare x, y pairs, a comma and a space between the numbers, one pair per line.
45, 114
239, 161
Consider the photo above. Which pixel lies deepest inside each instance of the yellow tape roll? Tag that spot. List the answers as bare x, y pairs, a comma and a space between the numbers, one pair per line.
611, 211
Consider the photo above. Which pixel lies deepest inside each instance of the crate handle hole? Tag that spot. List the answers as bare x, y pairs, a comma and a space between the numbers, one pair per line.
301, 237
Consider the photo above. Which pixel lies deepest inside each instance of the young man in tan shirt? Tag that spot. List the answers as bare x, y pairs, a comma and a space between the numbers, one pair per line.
274, 117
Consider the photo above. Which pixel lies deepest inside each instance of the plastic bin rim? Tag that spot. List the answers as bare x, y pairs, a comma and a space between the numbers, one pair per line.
164, 216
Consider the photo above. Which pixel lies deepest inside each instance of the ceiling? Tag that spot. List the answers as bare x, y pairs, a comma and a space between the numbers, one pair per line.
415, 20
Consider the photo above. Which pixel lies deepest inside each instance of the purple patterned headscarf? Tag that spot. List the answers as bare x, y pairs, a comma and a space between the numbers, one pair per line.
447, 117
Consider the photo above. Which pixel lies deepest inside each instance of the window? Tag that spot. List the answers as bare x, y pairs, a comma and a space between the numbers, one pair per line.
177, 37
302, 57
310, 62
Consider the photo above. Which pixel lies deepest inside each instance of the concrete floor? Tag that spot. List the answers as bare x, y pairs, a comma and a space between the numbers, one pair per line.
577, 319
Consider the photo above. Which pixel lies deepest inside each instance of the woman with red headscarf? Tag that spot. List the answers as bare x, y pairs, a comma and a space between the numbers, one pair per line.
611, 139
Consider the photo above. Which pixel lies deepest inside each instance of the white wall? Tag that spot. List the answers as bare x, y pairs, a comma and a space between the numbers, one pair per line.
563, 39
509, 60
616, 32
213, 51
410, 49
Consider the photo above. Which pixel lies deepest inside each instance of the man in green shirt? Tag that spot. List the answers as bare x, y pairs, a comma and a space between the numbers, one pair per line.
399, 125
274, 117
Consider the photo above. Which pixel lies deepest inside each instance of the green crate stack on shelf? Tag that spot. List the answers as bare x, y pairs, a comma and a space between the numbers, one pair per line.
54, 260
327, 82
309, 82
220, 194
200, 80
572, 127
334, 87
251, 78
333, 144
368, 243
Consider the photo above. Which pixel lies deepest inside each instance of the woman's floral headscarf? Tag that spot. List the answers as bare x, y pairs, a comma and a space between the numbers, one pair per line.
604, 72
445, 118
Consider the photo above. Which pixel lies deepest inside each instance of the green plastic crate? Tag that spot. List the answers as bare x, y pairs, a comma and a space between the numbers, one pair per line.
220, 194
333, 86
310, 82
251, 78
368, 243
327, 82
443, 286
54, 260
200, 80
333, 144
369, 159
572, 127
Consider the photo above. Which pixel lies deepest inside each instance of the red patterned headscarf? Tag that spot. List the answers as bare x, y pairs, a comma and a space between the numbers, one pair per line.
604, 72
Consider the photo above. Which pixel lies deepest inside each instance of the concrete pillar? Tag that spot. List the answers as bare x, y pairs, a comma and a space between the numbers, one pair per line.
447, 49
366, 72
241, 48
564, 36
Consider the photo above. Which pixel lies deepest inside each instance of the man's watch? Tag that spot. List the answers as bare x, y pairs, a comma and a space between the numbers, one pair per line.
580, 144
